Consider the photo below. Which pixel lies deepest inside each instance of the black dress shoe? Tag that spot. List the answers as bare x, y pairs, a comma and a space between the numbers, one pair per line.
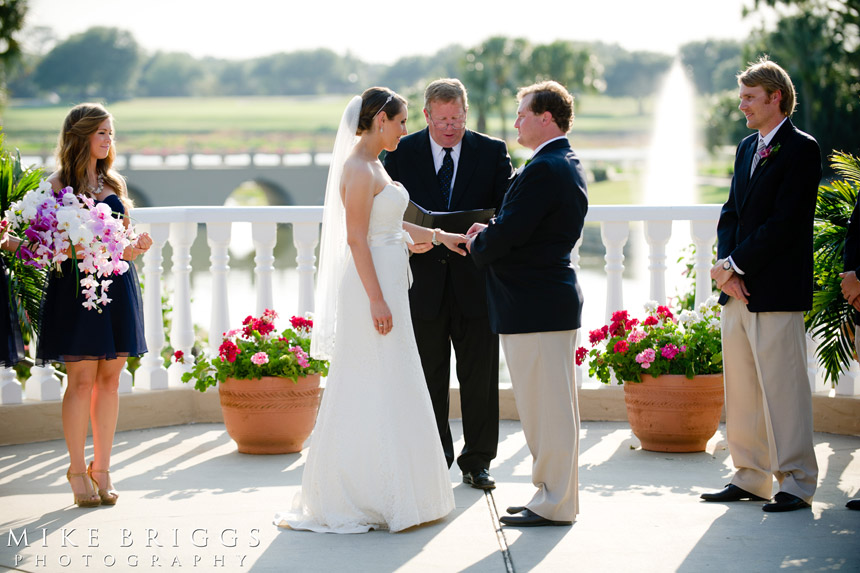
731, 493
853, 504
528, 518
480, 479
785, 502
514, 509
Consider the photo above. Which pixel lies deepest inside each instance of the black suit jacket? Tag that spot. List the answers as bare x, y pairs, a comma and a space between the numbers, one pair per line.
766, 224
481, 180
531, 284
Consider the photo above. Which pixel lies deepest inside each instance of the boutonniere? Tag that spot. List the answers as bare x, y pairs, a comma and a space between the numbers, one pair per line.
768, 152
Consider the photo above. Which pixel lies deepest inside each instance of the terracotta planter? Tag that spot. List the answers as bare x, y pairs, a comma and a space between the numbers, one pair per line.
672, 413
272, 415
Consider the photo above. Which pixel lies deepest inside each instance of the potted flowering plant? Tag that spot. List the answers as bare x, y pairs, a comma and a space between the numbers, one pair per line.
267, 382
671, 369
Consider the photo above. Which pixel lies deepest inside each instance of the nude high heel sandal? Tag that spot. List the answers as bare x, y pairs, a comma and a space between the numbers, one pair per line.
107, 496
89, 499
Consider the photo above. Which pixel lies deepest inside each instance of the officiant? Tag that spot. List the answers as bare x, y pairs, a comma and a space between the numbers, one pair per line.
446, 167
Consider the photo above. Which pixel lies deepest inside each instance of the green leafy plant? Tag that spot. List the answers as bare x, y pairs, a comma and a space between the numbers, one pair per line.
256, 350
26, 282
830, 319
660, 344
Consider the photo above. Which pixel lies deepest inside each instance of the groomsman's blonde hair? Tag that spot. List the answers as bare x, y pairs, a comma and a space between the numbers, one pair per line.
771, 77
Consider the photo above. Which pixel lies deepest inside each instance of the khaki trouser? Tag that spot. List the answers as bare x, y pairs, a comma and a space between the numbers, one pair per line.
768, 401
542, 375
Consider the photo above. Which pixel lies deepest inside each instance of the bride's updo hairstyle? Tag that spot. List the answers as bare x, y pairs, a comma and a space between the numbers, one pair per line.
375, 100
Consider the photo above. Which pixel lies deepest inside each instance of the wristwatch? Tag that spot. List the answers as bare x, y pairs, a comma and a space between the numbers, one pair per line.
727, 266
433, 239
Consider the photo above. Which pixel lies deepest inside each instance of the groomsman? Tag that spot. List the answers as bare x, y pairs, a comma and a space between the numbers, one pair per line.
851, 286
535, 300
446, 167
764, 270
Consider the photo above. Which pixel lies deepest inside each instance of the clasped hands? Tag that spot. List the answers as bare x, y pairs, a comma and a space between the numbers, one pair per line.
729, 282
851, 288
451, 240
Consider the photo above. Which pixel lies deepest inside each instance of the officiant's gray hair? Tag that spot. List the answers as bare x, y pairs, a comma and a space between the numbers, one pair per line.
374, 101
771, 77
446, 90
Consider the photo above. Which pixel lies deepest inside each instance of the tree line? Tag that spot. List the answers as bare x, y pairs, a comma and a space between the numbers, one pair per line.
815, 40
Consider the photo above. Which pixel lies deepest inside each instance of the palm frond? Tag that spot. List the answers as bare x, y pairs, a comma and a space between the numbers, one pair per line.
830, 319
26, 282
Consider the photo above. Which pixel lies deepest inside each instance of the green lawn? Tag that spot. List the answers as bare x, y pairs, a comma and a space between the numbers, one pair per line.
278, 124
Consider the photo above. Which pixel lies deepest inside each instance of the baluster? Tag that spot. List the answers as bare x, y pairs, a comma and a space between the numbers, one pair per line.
816, 380
43, 385
703, 233
614, 235
305, 238
849, 381
574, 255
10, 388
218, 237
657, 234
152, 375
264, 236
574, 262
182, 331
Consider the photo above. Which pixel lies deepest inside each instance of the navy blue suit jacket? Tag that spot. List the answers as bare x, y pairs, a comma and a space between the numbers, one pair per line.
483, 171
531, 285
766, 224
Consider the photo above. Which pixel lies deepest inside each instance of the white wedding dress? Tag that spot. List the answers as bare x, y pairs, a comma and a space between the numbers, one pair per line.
375, 460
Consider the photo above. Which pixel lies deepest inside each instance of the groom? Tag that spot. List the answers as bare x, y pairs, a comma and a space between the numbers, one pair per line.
765, 274
447, 167
535, 300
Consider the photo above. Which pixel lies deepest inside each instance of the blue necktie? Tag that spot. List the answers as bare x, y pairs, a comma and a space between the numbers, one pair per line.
445, 174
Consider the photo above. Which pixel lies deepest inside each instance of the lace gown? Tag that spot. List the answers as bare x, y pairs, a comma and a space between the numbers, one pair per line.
375, 460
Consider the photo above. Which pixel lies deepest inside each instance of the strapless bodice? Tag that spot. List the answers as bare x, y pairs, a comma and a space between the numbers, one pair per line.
386, 217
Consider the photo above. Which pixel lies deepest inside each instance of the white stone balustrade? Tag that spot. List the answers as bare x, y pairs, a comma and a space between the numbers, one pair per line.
178, 226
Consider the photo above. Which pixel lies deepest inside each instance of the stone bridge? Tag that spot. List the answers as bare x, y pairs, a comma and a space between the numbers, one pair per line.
209, 179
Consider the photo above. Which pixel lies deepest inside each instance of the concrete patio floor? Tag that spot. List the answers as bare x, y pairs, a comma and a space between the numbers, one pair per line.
189, 501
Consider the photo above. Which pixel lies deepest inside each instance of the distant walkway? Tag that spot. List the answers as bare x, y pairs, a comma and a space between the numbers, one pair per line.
189, 501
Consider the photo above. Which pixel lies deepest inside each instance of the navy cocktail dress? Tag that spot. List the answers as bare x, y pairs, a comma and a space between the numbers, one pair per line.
70, 333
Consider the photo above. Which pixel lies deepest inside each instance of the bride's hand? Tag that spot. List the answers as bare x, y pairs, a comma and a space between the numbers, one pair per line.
419, 248
381, 314
452, 241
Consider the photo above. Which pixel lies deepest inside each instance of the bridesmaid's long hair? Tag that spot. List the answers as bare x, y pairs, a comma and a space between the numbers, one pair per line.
73, 152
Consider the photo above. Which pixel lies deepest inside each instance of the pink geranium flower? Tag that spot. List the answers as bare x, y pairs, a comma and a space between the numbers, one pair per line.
260, 358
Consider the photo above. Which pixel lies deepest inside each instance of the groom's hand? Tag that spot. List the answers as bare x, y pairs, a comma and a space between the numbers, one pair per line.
475, 229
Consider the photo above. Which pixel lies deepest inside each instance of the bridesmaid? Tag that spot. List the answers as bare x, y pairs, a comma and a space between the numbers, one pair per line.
93, 345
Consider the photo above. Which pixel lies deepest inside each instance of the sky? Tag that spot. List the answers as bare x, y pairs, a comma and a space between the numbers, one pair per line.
382, 32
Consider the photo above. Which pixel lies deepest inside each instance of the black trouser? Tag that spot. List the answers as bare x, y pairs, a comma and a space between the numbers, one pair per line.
477, 351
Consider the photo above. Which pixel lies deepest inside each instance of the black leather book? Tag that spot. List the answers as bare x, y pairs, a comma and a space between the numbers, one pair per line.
450, 221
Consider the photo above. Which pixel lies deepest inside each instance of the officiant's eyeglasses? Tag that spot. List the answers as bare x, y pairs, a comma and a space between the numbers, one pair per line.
455, 122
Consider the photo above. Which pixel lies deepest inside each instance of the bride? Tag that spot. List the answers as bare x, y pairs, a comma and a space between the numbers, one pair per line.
375, 461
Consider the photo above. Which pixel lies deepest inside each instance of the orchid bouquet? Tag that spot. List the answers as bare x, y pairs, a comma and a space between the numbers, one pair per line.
256, 350
54, 224
660, 344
